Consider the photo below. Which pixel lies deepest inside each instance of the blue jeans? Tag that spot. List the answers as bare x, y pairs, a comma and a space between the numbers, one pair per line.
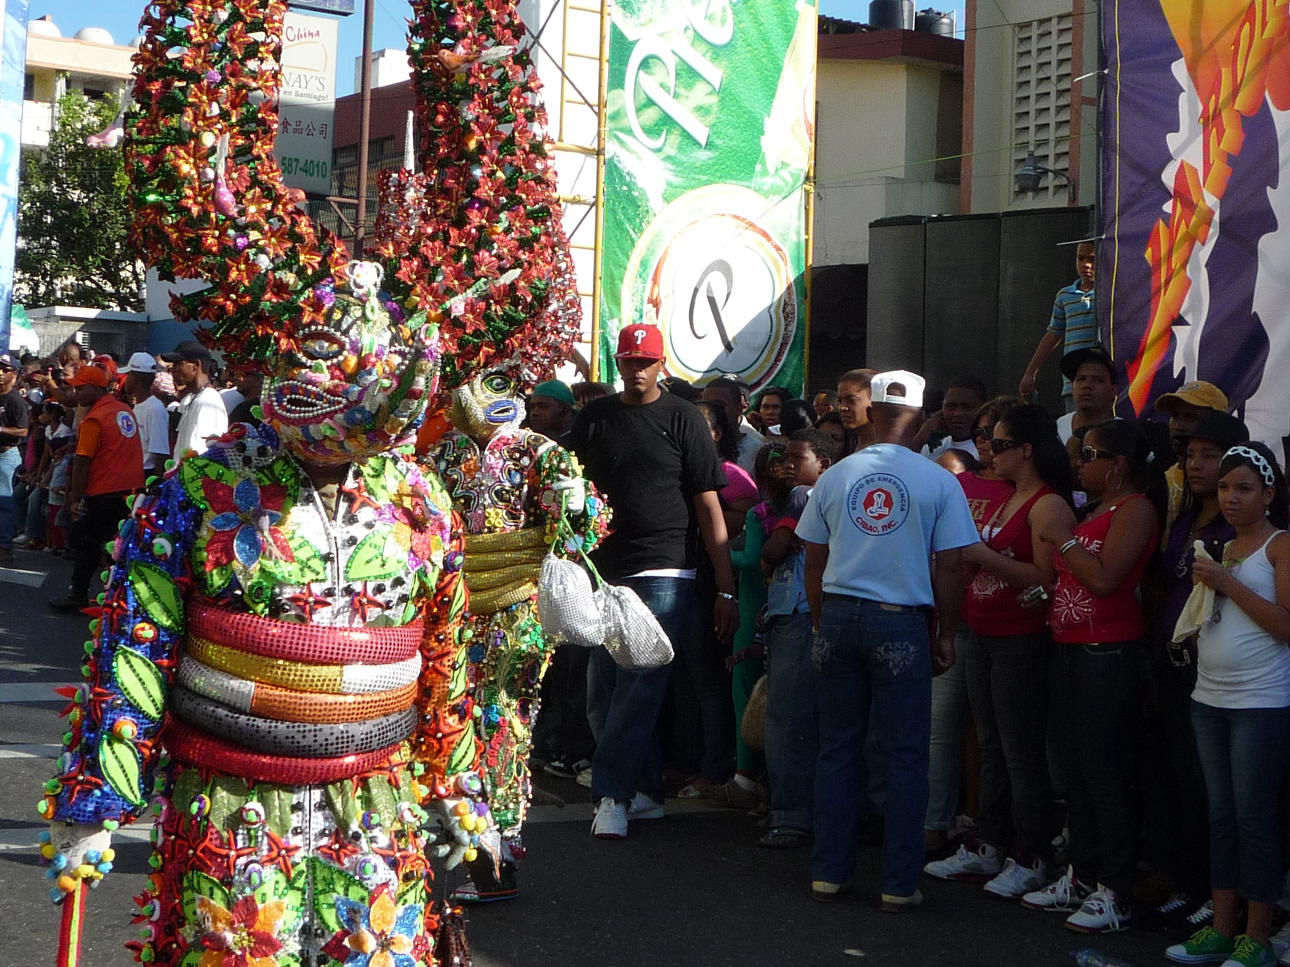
10, 460
792, 736
1244, 753
949, 716
871, 657
623, 705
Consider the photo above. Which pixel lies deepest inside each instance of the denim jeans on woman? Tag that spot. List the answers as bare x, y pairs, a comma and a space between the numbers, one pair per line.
1095, 706
1008, 689
1244, 753
871, 657
949, 715
623, 705
792, 736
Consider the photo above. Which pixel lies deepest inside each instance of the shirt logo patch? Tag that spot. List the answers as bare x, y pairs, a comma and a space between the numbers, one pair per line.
878, 504
126, 424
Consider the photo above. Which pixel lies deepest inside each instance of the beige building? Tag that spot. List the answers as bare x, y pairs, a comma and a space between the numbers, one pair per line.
1030, 69
91, 61
888, 128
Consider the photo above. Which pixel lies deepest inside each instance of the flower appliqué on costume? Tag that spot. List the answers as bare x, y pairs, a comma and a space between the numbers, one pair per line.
245, 936
245, 521
380, 935
1072, 605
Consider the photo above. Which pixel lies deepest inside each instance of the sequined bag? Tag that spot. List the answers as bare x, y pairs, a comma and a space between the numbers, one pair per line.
567, 604
633, 635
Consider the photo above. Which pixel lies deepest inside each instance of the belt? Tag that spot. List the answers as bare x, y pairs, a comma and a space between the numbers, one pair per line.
882, 605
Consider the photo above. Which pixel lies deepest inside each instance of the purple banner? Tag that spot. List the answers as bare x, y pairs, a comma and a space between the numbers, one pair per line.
1194, 269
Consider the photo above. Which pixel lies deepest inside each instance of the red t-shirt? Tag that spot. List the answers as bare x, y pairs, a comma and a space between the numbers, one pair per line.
984, 496
1077, 615
990, 606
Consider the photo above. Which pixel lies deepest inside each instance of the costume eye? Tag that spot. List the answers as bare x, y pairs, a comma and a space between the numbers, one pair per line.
320, 344
497, 384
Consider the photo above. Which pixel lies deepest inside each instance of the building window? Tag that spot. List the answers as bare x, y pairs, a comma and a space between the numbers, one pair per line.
1041, 112
93, 93
381, 155
29, 87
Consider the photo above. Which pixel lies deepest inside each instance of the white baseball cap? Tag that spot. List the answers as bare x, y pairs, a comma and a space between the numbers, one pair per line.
899, 387
141, 363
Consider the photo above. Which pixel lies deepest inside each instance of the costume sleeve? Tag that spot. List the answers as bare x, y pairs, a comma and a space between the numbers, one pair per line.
108, 770
589, 526
446, 743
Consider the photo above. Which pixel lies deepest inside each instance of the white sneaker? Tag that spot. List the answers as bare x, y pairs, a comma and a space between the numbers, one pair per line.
1281, 944
1063, 895
583, 778
645, 807
1017, 880
610, 821
1101, 912
967, 864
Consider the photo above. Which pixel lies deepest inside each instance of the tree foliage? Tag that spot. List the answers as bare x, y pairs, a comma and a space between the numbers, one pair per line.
73, 217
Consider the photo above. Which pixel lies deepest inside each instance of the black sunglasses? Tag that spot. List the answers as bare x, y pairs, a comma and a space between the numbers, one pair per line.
982, 432
998, 445
1090, 453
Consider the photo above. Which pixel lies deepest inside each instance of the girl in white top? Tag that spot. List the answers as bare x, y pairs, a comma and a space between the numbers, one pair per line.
1241, 709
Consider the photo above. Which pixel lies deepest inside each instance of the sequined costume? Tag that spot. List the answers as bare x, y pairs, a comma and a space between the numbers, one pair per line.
507, 482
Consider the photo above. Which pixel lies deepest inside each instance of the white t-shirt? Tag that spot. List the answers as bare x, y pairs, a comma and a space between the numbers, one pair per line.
232, 398
750, 442
154, 432
202, 416
949, 443
883, 512
1066, 427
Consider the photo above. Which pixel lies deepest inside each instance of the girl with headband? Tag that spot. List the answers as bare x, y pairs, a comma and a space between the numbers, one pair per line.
1241, 710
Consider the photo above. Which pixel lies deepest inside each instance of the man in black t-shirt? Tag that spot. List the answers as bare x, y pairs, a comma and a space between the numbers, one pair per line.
651, 454
14, 417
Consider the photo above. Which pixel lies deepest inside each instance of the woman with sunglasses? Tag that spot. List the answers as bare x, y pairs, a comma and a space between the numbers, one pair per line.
1241, 710
985, 493
1006, 659
1097, 626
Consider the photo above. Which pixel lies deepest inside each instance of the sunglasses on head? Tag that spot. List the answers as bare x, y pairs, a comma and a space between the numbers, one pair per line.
1090, 453
982, 432
998, 445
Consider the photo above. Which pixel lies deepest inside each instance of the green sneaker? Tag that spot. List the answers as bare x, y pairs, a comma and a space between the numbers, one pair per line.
1250, 953
1205, 946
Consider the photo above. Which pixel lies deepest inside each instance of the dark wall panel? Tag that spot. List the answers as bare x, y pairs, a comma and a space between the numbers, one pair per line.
961, 296
896, 288
839, 307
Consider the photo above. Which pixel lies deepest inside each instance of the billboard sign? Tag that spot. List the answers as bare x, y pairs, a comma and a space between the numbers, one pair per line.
308, 102
342, 7
710, 111
13, 65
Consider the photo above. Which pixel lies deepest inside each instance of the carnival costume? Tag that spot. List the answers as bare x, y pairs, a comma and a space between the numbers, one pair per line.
521, 496
276, 658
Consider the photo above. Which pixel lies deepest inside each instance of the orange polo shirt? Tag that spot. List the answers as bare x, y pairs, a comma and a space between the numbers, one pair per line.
109, 436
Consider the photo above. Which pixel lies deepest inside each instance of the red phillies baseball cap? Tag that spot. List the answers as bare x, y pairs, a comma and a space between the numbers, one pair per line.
640, 342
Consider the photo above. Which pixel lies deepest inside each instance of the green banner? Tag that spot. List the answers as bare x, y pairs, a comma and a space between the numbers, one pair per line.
710, 110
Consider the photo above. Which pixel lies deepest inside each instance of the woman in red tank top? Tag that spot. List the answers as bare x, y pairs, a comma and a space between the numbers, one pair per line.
1006, 660
1098, 623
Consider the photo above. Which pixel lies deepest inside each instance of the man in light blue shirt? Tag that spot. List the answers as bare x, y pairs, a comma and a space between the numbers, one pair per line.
871, 526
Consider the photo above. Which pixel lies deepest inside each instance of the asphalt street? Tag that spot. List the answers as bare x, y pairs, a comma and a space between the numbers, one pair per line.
692, 889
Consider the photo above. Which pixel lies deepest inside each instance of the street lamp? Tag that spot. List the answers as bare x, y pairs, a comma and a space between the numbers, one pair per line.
1031, 171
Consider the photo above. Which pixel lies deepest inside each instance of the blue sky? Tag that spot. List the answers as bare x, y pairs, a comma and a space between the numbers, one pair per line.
121, 18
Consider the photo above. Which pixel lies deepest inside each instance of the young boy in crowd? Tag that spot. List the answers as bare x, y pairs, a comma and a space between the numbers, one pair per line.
791, 737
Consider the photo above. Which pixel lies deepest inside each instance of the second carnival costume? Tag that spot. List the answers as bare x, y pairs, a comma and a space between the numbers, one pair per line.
521, 496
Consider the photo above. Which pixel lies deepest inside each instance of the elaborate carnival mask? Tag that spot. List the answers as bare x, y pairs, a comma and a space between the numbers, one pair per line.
356, 383
482, 405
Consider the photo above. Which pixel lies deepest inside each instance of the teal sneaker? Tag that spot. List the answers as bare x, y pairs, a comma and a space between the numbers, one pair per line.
1250, 953
1205, 946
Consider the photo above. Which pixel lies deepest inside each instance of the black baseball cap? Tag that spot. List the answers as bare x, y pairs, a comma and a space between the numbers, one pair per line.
190, 351
1222, 428
1076, 358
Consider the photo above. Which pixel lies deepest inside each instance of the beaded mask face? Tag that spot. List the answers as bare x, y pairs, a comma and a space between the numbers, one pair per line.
489, 401
357, 384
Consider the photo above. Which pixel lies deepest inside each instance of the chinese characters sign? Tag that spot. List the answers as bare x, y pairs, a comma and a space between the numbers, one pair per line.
308, 100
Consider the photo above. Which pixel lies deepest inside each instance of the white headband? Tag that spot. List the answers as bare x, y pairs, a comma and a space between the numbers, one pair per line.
1260, 463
